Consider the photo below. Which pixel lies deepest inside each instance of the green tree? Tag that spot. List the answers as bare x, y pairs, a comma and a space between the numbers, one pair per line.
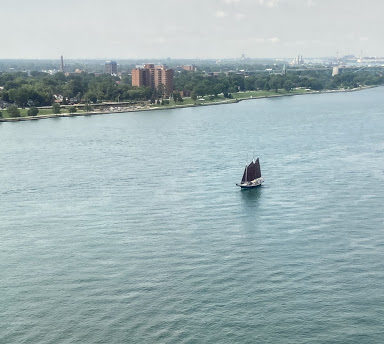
33, 111
91, 96
316, 84
26, 95
217, 89
177, 97
161, 90
88, 107
56, 108
1, 114
5, 96
274, 84
72, 109
288, 85
13, 111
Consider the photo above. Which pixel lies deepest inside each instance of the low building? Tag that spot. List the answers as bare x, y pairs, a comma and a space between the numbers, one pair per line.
58, 98
3, 104
189, 68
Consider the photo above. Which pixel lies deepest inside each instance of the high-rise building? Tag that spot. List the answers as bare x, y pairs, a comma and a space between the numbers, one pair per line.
62, 63
335, 71
155, 77
110, 67
139, 77
298, 60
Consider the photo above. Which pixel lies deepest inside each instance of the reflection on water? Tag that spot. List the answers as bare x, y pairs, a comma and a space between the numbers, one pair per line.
251, 197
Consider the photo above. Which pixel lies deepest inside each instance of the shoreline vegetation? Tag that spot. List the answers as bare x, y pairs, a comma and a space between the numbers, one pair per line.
32, 95
123, 107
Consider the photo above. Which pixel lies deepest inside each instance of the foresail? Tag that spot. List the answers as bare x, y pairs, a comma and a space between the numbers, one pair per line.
243, 180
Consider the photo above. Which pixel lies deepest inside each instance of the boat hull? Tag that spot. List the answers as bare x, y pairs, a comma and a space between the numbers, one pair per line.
253, 184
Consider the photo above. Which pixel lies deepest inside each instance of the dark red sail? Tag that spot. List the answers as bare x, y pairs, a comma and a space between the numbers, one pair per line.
251, 172
244, 179
257, 169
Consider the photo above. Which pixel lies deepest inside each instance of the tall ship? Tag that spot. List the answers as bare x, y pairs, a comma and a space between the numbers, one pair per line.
252, 176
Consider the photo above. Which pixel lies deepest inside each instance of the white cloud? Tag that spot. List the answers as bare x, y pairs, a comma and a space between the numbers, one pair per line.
310, 3
262, 40
231, 1
159, 40
239, 16
295, 43
269, 3
274, 40
220, 14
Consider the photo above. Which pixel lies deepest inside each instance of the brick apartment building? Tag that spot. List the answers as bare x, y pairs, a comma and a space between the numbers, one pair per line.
189, 68
153, 76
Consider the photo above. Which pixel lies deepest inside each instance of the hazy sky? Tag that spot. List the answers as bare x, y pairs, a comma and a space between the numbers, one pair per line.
190, 28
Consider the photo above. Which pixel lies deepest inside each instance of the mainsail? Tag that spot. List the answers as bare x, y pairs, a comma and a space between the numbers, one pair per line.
251, 172
257, 169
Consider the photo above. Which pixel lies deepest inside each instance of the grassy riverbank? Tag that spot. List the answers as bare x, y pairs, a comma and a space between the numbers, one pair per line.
220, 99
188, 102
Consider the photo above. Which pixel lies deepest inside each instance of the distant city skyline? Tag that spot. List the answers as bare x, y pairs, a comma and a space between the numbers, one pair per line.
200, 29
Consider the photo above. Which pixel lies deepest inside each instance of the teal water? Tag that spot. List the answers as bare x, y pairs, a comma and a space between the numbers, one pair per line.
128, 228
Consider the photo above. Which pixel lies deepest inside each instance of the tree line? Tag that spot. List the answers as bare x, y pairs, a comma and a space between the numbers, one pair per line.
42, 89
200, 84
37, 89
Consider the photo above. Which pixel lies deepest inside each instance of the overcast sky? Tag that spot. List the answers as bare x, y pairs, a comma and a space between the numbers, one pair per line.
190, 28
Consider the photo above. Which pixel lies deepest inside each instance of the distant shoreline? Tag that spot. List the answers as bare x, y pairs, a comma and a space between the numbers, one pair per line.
125, 110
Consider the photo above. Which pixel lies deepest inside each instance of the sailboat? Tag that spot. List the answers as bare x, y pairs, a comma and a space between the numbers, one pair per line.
252, 176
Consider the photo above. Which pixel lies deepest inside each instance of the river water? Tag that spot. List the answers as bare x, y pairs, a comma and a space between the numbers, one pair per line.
128, 228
